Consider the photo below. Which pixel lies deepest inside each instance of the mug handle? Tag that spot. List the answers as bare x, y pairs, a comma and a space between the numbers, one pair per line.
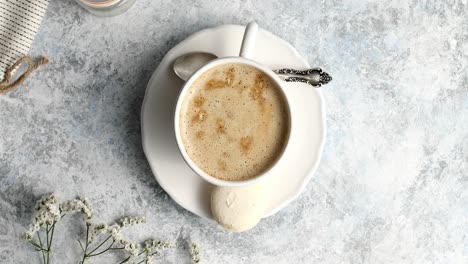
248, 42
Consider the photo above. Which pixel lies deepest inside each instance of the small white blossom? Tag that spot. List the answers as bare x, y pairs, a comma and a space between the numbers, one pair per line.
100, 229
96, 230
195, 253
114, 231
153, 247
34, 227
132, 248
28, 235
46, 212
124, 222
131, 221
74, 206
158, 245
54, 213
87, 203
150, 243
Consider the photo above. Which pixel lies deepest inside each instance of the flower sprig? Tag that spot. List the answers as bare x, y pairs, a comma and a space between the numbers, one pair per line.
195, 253
46, 214
100, 238
114, 240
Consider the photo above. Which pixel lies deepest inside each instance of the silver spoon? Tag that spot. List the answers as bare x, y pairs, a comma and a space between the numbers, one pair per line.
187, 64
315, 76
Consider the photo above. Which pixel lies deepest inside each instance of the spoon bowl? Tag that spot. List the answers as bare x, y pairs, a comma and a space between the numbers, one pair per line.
187, 64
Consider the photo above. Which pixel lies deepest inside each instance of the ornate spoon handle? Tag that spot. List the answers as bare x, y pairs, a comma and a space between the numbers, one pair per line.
315, 76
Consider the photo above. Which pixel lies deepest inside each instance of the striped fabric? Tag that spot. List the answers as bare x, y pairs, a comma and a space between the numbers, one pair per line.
19, 23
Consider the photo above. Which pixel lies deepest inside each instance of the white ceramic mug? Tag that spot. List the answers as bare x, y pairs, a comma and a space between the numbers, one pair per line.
245, 55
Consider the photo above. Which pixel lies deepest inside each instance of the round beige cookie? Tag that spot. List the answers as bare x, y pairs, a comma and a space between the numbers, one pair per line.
239, 208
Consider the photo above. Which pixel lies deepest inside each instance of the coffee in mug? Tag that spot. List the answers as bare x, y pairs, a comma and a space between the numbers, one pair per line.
234, 122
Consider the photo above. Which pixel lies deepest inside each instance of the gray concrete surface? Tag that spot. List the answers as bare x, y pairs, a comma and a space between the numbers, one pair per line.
392, 186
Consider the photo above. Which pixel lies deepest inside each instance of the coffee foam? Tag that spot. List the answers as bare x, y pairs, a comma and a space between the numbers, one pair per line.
234, 122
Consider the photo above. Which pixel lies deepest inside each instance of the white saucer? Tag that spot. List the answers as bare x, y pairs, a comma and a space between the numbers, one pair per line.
167, 164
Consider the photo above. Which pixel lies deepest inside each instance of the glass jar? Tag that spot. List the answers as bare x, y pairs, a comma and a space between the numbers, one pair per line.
106, 7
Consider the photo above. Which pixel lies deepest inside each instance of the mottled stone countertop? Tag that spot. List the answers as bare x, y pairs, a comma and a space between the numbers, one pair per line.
392, 186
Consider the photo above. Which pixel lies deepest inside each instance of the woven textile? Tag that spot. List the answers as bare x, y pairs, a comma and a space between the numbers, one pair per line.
19, 23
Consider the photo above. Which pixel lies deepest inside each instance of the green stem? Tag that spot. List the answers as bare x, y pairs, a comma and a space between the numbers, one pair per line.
85, 255
47, 234
87, 237
35, 244
81, 245
47, 243
101, 245
147, 255
52, 236
49, 246
117, 248
42, 251
125, 260
105, 250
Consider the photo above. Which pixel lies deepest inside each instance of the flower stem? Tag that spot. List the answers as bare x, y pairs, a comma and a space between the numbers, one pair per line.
81, 245
85, 255
35, 244
125, 260
47, 243
52, 236
42, 248
101, 245
105, 250
47, 235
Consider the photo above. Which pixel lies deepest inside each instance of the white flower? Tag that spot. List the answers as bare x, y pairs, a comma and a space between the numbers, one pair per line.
96, 230
164, 244
34, 227
153, 244
137, 220
131, 221
28, 235
53, 198
53, 213
132, 248
149, 259
150, 243
195, 253
46, 212
114, 231
73, 206
124, 222
153, 247
100, 229
89, 212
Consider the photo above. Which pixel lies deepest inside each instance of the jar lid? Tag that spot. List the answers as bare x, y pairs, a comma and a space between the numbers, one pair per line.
100, 3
